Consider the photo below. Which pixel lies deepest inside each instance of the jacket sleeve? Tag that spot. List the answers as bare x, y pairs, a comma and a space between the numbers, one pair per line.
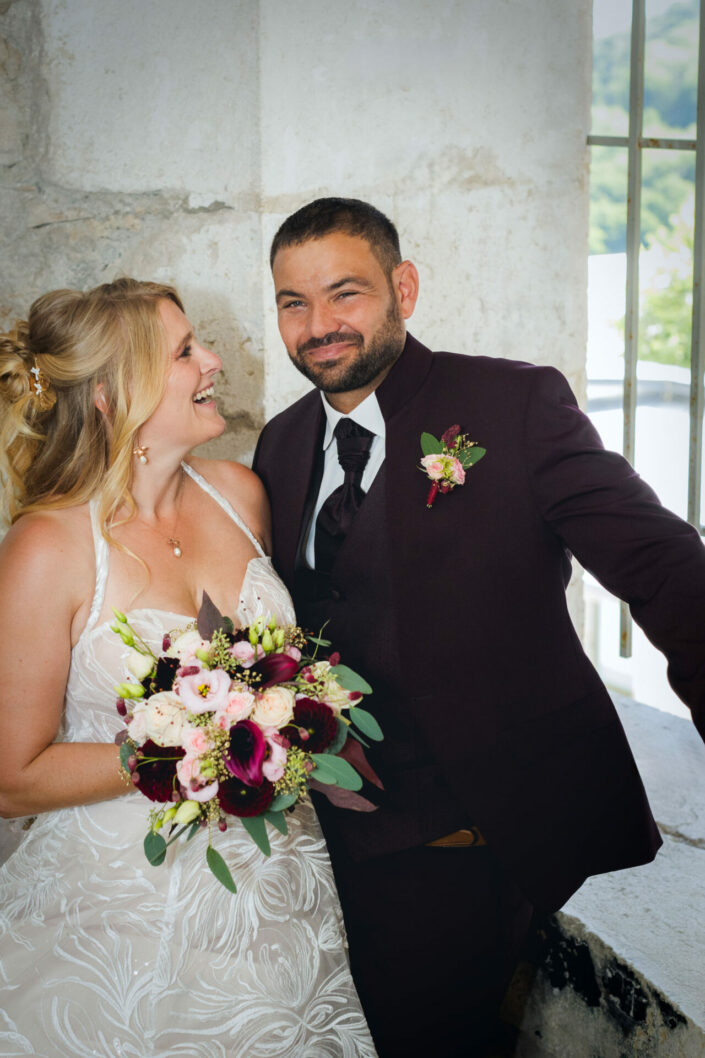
614, 524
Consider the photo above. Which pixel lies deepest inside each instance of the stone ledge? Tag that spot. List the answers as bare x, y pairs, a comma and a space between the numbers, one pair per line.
620, 972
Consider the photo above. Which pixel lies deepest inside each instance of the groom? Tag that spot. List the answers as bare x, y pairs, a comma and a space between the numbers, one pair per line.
507, 776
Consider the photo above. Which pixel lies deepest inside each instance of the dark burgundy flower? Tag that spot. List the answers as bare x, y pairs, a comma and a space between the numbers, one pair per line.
275, 668
156, 777
450, 435
163, 679
239, 799
314, 726
246, 752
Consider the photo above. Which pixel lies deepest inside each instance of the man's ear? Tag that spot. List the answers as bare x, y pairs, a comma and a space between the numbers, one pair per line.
405, 283
100, 399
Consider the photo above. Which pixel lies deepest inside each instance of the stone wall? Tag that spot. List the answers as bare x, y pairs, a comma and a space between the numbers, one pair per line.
167, 139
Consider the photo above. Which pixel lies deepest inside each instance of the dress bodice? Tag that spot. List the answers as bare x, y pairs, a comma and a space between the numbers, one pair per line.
97, 659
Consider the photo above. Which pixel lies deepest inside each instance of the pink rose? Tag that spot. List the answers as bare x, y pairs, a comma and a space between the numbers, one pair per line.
188, 769
203, 793
198, 787
433, 465
238, 707
194, 740
245, 653
205, 691
293, 652
275, 755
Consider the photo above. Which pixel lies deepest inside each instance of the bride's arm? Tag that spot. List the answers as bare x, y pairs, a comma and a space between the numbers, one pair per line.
43, 587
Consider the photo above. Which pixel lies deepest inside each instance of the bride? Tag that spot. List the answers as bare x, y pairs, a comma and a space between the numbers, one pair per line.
102, 398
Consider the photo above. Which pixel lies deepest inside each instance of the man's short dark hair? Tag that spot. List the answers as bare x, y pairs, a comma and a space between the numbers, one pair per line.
350, 216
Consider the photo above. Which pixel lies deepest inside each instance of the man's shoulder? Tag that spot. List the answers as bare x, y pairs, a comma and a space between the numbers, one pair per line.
496, 377
499, 367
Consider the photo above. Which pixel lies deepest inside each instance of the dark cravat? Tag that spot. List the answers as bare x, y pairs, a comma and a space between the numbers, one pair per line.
337, 513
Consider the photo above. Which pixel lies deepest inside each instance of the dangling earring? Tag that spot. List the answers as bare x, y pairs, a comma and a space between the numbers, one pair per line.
141, 452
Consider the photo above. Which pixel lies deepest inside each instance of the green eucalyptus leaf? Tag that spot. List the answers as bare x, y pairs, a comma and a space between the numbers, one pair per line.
335, 771
126, 751
339, 740
220, 869
193, 829
366, 723
256, 828
319, 641
283, 801
350, 680
154, 848
277, 820
471, 455
430, 445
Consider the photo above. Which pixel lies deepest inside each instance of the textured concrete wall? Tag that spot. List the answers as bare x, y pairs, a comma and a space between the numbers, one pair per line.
465, 121
167, 139
130, 145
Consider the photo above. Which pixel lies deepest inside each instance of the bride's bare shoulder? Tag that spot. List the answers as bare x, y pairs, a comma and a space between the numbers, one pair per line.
49, 552
243, 490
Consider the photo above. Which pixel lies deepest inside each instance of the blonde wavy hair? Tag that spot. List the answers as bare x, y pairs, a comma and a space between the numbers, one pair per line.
56, 448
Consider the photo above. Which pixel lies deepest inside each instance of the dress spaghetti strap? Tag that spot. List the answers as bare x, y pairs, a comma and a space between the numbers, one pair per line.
225, 504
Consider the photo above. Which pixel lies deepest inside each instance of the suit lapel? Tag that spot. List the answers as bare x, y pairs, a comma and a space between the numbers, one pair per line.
299, 465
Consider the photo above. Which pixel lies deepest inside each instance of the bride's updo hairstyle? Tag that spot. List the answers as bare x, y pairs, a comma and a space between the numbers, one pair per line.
57, 449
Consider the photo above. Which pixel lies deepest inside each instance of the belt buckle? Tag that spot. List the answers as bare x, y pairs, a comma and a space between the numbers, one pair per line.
469, 837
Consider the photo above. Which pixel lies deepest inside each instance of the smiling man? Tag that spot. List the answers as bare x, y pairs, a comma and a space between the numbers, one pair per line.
507, 776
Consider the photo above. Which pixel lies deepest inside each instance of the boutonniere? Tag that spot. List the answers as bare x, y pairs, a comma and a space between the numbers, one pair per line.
444, 462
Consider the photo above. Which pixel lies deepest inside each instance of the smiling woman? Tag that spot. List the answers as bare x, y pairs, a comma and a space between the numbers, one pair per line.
103, 395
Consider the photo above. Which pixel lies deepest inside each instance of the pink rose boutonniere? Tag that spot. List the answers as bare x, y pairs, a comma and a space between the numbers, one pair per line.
444, 462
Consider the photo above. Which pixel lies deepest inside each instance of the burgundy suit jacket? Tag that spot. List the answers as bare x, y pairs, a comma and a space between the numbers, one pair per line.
492, 669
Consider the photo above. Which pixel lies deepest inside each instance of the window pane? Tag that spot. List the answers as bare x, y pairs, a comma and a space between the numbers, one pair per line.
671, 68
611, 21
666, 305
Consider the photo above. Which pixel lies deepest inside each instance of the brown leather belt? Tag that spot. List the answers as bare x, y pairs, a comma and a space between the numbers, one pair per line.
459, 839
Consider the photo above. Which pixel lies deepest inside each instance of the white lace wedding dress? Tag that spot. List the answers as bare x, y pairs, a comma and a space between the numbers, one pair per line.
102, 954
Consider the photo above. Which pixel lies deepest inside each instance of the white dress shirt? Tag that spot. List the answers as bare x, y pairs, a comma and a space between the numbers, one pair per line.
367, 414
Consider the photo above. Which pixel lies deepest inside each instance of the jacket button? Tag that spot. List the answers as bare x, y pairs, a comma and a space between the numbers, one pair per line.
336, 594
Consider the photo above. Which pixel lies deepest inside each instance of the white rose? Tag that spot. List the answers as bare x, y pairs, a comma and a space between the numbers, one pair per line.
332, 694
273, 707
139, 664
185, 646
161, 718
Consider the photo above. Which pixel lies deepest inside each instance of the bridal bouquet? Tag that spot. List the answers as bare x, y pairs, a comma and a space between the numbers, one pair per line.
238, 723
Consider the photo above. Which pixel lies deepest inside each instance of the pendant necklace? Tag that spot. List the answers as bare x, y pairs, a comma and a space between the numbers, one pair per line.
174, 542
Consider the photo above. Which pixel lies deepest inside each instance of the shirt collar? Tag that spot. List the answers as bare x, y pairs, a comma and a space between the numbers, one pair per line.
368, 414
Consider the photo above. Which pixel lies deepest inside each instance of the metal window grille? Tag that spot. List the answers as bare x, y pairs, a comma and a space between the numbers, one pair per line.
636, 143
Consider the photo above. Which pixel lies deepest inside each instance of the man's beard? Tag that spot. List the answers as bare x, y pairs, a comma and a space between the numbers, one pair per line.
383, 349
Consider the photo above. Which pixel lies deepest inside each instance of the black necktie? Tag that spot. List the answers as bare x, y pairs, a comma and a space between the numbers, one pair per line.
337, 513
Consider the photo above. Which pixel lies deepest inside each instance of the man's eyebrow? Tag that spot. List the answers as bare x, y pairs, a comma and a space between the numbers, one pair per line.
360, 281
284, 293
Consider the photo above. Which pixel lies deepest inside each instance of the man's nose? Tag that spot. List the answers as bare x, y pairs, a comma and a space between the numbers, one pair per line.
322, 319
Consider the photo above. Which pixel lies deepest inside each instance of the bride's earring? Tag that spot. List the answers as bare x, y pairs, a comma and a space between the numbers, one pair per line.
141, 452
